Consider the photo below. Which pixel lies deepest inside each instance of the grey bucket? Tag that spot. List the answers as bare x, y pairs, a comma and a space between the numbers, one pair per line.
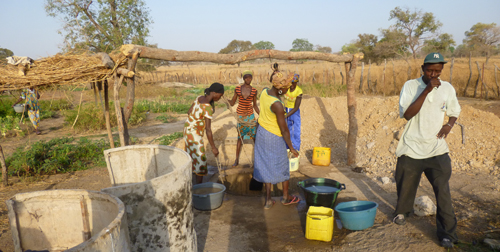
209, 201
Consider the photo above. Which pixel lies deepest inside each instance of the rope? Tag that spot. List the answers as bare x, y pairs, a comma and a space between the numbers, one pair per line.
239, 133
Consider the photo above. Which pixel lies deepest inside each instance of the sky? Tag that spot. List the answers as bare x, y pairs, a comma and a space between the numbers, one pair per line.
209, 26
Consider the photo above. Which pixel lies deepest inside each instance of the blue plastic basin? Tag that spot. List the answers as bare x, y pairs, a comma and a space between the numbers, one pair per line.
357, 215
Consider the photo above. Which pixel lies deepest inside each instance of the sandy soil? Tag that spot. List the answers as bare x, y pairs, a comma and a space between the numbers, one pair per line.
241, 224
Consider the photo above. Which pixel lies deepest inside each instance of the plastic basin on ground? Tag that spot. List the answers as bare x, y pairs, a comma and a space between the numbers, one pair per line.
19, 108
357, 215
316, 197
208, 201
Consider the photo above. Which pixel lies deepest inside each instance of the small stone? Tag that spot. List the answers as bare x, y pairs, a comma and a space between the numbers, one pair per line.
385, 180
494, 244
385, 128
358, 169
370, 145
424, 206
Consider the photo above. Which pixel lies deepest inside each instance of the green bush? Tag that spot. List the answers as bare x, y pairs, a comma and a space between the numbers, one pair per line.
91, 117
160, 106
168, 139
58, 155
166, 118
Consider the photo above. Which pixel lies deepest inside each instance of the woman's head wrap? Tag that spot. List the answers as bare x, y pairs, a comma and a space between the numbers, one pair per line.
281, 80
296, 78
247, 72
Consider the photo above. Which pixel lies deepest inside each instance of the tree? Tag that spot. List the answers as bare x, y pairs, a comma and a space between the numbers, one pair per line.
101, 25
349, 48
416, 25
301, 45
392, 44
366, 44
483, 38
4, 53
237, 46
264, 45
442, 44
323, 49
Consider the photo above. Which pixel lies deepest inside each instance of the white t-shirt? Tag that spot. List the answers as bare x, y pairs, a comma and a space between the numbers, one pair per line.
419, 139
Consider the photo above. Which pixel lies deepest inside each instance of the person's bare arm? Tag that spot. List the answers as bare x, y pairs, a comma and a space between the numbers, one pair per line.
277, 108
18, 101
233, 100
415, 107
208, 129
296, 107
445, 130
255, 107
190, 109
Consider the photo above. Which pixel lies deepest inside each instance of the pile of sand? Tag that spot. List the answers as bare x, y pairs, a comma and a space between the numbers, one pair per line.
325, 124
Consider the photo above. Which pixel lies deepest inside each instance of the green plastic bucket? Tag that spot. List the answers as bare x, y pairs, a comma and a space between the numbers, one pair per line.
326, 196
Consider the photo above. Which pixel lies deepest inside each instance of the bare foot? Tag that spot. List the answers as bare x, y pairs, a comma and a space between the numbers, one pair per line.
236, 162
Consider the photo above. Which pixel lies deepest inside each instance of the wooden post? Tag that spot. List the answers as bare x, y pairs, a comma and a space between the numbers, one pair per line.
478, 78
340, 69
130, 98
333, 72
95, 92
106, 114
361, 77
351, 109
368, 81
5, 179
451, 69
119, 117
383, 77
484, 85
470, 74
496, 80
409, 70
394, 77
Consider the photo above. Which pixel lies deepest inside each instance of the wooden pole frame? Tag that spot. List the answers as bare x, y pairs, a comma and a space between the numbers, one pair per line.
350, 61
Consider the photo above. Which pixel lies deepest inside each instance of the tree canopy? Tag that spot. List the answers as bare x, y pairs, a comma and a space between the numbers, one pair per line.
237, 46
101, 25
443, 44
301, 45
4, 53
264, 45
483, 37
417, 26
323, 49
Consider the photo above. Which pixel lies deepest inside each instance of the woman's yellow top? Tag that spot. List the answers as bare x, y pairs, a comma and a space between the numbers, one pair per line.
267, 118
290, 97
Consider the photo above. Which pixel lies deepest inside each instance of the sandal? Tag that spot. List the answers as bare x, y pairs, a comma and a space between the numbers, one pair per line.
294, 200
268, 206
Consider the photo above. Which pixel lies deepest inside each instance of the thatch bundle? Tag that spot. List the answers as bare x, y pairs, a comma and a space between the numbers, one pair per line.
58, 70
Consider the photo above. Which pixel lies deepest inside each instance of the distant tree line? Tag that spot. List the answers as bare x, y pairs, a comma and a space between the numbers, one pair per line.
416, 33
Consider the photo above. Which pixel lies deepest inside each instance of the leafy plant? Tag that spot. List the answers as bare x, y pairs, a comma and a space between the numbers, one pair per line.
166, 118
58, 155
168, 139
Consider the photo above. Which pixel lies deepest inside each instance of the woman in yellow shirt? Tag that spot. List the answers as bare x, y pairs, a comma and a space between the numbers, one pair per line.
271, 165
292, 103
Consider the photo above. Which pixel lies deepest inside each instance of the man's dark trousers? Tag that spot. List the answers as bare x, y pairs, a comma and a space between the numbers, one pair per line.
438, 171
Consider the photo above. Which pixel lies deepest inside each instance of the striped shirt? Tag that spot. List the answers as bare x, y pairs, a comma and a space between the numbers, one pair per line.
245, 106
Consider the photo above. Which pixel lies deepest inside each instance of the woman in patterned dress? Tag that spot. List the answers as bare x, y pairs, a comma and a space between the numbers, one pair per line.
31, 95
247, 96
199, 120
271, 160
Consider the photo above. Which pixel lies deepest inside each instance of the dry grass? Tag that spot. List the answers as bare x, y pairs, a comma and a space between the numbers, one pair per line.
325, 78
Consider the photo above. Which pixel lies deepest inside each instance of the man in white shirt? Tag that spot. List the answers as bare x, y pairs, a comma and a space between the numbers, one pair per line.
422, 148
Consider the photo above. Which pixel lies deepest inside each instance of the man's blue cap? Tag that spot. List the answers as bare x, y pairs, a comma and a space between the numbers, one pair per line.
435, 57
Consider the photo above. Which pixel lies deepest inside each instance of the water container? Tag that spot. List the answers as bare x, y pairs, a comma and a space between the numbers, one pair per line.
319, 224
321, 156
294, 162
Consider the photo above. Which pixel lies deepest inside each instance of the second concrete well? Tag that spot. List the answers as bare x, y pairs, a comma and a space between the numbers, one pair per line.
154, 183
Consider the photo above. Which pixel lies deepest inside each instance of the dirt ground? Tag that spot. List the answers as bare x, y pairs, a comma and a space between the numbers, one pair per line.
241, 223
